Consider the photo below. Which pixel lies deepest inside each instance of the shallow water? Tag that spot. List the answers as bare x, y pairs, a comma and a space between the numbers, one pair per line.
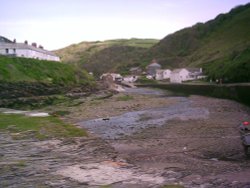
147, 91
132, 122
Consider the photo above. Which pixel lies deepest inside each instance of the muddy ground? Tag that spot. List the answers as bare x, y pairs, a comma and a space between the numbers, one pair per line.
198, 145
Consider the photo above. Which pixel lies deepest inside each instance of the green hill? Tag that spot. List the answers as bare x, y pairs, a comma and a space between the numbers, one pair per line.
103, 56
221, 46
13, 69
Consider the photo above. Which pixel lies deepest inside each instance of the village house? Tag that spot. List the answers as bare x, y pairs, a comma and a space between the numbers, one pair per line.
12, 48
185, 74
130, 79
152, 67
114, 76
162, 74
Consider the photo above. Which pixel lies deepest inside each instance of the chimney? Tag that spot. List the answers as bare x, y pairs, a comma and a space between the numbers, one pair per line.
34, 44
14, 40
40, 46
26, 42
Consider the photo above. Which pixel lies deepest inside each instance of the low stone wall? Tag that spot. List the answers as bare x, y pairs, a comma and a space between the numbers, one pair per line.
240, 92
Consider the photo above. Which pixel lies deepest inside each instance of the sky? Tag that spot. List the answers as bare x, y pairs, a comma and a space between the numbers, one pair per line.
58, 23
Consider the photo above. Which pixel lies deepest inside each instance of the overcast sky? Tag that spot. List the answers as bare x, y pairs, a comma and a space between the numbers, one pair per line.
58, 23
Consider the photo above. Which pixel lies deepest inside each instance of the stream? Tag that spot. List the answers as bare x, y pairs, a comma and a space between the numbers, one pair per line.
134, 121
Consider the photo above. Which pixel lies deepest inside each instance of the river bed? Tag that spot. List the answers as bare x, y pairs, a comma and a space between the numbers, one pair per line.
132, 122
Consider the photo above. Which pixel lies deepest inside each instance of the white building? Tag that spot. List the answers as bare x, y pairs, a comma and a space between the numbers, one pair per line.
11, 48
114, 76
185, 74
162, 74
130, 79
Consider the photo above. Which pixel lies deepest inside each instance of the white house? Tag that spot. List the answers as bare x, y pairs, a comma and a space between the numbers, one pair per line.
162, 74
114, 76
11, 48
130, 79
185, 74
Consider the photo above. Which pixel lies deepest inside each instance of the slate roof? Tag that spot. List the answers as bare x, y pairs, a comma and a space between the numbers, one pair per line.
4, 40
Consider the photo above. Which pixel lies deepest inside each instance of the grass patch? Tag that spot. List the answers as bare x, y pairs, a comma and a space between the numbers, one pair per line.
21, 163
144, 80
38, 127
105, 186
125, 98
14, 69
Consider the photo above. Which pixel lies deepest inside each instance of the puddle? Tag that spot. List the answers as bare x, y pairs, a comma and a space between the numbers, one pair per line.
27, 113
37, 114
132, 122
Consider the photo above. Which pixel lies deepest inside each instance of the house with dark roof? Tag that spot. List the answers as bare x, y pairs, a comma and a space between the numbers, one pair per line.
12, 48
152, 68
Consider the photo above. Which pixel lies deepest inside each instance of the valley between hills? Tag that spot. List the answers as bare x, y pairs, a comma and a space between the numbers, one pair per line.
60, 126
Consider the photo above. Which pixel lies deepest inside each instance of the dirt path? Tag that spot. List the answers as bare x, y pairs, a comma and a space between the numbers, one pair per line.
195, 144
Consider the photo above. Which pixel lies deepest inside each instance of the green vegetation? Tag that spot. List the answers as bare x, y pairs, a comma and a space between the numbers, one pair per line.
104, 56
144, 80
125, 98
31, 70
105, 186
39, 127
221, 46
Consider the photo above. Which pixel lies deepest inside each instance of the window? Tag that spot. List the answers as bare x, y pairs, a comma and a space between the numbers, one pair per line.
14, 50
6, 50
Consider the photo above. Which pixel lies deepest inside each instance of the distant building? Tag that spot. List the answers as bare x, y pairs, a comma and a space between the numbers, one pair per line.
162, 74
114, 77
130, 79
11, 48
152, 67
185, 74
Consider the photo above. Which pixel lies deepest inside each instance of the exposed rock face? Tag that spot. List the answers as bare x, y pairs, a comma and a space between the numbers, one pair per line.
35, 94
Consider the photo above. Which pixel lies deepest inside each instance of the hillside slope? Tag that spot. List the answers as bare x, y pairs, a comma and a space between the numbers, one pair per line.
103, 56
13, 69
220, 46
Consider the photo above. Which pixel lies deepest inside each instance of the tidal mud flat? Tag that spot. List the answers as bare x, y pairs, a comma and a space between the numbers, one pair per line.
149, 139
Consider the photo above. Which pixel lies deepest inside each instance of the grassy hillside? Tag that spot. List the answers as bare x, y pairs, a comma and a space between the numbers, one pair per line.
221, 46
102, 56
32, 70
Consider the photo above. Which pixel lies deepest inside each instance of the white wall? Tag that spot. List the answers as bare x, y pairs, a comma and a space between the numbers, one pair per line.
28, 53
180, 76
35, 54
166, 74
